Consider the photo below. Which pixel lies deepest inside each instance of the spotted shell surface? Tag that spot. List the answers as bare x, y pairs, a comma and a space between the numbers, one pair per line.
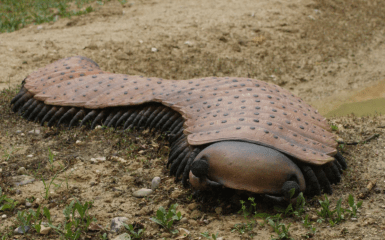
214, 109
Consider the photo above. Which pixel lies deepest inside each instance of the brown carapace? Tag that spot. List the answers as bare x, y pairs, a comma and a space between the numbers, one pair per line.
241, 133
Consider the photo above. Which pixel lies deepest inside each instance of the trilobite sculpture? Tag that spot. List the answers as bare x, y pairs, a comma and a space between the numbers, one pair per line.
238, 133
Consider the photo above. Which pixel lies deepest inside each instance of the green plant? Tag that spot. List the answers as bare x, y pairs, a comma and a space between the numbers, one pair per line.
47, 186
7, 154
242, 228
9, 203
32, 218
133, 233
299, 208
334, 127
307, 224
17, 14
166, 219
50, 158
353, 206
338, 214
74, 226
325, 208
279, 228
207, 235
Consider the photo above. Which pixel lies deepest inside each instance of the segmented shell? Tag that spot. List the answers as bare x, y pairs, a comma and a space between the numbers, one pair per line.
215, 109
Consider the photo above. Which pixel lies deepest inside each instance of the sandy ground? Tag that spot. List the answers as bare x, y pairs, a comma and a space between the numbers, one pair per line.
327, 52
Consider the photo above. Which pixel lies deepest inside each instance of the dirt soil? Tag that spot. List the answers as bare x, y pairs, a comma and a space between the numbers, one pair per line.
325, 51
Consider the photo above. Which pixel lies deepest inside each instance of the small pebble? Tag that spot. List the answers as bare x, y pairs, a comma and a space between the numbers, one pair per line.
188, 43
21, 171
165, 235
22, 134
21, 230
38, 201
21, 180
35, 131
117, 223
98, 159
3, 216
44, 230
184, 220
78, 142
124, 236
142, 193
28, 204
196, 214
18, 131
154, 49
218, 210
30, 155
98, 127
192, 206
155, 183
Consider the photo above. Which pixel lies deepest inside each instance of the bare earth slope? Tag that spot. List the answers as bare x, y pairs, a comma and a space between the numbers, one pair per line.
324, 51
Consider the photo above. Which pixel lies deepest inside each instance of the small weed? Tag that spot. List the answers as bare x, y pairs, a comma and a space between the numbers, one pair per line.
242, 228
47, 186
296, 211
353, 206
334, 128
6, 203
133, 233
166, 219
50, 158
338, 214
15, 15
32, 218
207, 235
279, 228
74, 226
7, 154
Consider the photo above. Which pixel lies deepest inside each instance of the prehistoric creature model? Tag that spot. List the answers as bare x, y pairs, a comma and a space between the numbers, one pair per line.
239, 133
